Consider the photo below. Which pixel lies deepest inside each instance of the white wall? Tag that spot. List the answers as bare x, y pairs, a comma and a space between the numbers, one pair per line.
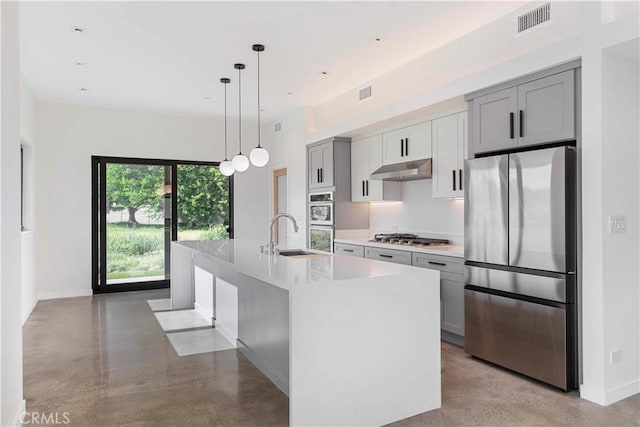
483, 58
11, 402
67, 138
419, 213
620, 136
28, 136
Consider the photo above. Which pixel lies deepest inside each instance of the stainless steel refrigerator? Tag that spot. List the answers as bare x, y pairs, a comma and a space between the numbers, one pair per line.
520, 263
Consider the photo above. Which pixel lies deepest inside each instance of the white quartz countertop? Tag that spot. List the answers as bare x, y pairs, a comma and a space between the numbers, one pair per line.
244, 256
445, 250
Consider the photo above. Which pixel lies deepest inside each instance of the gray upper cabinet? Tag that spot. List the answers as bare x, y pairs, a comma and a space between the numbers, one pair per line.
321, 165
366, 158
546, 109
535, 112
449, 137
494, 121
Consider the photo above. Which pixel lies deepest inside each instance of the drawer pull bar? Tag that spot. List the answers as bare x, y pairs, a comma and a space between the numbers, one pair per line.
436, 263
385, 256
348, 250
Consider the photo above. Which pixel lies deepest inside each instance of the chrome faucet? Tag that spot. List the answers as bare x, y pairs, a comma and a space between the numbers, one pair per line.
271, 249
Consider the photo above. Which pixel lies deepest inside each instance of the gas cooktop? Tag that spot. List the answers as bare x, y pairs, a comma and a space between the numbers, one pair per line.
407, 239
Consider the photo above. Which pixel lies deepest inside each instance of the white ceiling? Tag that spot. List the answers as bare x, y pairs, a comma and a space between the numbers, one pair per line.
168, 56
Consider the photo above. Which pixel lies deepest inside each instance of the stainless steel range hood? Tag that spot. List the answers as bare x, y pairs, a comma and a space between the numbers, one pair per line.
407, 171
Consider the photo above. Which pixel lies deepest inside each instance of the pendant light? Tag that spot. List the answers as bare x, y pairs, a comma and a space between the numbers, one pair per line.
240, 162
226, 168
259, 156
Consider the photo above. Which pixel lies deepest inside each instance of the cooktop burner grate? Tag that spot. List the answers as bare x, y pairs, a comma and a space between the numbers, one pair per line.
407, 239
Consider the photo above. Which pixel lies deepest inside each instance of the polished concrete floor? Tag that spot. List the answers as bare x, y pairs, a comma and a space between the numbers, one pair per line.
106, 361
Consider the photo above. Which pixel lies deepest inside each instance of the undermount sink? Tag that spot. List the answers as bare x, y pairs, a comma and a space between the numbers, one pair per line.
294, 252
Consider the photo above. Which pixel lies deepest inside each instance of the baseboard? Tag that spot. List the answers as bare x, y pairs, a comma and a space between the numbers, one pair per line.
207, 314
17, 421
26, 315
65, 294
227, 334
605, 398
264, 367
620, 393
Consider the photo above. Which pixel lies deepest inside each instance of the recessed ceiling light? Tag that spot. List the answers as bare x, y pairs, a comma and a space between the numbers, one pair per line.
81, 64
289, 93
324, 73
84, 90
378, 39
78, 30
206, 97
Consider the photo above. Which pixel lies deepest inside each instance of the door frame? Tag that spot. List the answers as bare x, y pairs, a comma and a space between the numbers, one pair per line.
99, 218
276, 174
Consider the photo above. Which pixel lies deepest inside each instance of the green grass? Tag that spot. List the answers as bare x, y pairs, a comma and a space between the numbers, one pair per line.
135, 252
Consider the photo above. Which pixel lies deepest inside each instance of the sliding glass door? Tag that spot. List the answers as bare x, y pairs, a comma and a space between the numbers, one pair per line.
141, 205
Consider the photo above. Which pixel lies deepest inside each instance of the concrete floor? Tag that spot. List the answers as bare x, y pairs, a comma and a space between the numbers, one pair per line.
106, 362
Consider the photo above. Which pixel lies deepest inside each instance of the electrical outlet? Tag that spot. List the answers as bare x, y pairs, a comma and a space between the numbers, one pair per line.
617, 224
615, 357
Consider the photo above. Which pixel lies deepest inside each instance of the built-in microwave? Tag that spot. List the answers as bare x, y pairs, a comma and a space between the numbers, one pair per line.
321, 208
321, 238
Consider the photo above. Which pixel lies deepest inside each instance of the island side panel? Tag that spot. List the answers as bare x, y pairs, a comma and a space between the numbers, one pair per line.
263, 320
263, 327
365, 351
182, 291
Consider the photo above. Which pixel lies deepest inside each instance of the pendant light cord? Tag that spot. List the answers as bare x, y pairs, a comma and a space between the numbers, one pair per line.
259, 99
225, 122
239, 112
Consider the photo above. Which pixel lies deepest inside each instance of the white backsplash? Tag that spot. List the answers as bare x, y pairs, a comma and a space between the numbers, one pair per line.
419, 213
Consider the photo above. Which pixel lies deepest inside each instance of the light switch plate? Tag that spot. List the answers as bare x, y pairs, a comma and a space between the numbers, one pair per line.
617, 224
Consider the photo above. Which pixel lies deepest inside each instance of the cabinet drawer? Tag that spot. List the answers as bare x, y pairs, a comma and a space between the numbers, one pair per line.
438, 262
347, 249
389, 255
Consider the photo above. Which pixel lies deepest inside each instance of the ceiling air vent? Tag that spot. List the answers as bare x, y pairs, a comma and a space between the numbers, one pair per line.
534, 17
365, 93
278, 126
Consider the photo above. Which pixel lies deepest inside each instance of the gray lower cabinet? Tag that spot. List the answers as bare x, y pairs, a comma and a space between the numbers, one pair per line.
389, 255
451, 290
347, 249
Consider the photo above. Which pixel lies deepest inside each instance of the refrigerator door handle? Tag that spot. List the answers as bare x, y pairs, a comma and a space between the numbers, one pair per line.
515, 207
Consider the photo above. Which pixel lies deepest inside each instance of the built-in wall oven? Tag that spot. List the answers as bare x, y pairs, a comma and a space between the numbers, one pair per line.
321, 238
321, 221
321, 208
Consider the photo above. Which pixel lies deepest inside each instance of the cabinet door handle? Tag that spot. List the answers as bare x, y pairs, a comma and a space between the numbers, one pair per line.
402, 147
367, 181
363, 188
460, 179
520, 124
406, 146
321, 174
453, 174
318, 175
511, 125
385, 256
347, 250
441, 264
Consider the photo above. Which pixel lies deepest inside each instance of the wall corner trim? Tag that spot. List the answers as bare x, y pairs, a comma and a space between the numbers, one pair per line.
17, 421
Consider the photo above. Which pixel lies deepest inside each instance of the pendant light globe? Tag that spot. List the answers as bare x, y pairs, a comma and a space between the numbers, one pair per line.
226, 168
259, 157
240, 162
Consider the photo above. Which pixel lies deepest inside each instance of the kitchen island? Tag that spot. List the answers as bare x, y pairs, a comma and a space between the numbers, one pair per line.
350, 341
